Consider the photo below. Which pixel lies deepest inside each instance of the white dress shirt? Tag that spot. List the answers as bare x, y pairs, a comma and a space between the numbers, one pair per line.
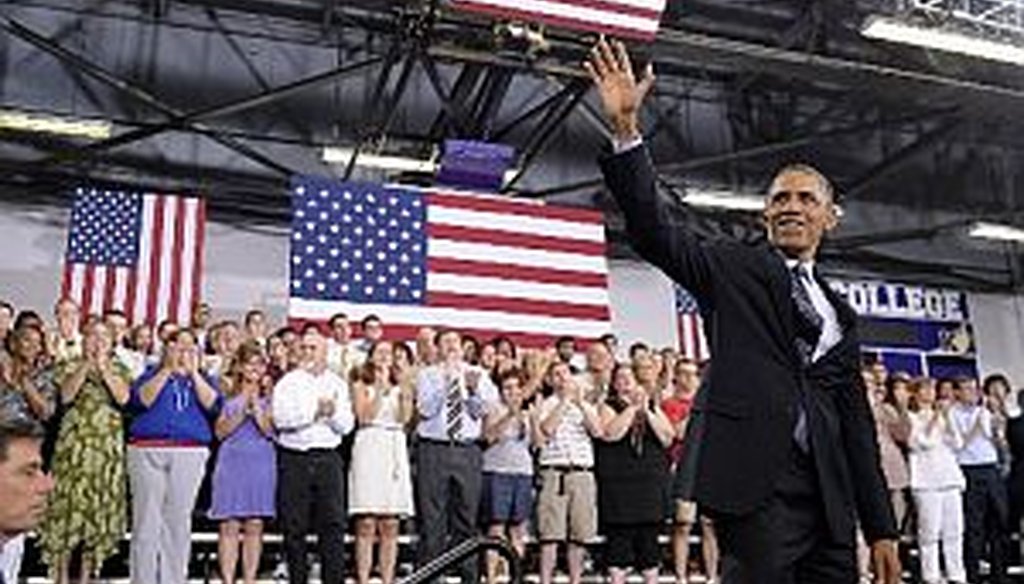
294, 406
831, 332
981, 448
342, 359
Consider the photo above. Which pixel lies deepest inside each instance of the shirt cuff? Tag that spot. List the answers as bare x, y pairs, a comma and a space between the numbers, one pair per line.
618, 146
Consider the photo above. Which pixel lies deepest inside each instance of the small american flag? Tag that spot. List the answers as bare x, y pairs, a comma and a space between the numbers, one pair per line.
692, 342
636, 19
485, 265
140, 253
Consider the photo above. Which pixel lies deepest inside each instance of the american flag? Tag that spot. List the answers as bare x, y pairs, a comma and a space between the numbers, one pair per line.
692, 342
636, 19
482, 264
138, 252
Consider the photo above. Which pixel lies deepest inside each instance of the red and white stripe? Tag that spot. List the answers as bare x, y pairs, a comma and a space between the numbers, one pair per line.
637, 19
499, 266
692, 342
167, 278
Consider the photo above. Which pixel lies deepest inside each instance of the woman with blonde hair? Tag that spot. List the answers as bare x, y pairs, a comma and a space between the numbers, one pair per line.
936, 483
380, 480
245, 475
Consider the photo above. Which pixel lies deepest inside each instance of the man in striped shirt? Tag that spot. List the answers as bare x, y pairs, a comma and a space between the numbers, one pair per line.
566, 424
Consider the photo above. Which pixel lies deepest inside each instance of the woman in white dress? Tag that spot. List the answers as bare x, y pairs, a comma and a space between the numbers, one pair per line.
380, 484
936, 483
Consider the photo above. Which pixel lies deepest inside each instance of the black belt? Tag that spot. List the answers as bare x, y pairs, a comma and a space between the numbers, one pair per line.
450, 443
566, 468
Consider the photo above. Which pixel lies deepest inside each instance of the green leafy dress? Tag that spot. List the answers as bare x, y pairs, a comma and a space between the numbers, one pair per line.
88, 505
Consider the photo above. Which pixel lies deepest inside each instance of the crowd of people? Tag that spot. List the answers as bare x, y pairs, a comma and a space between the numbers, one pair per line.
324, 430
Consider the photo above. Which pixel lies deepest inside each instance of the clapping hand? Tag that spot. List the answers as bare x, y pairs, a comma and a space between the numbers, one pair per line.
472, 380
324, 407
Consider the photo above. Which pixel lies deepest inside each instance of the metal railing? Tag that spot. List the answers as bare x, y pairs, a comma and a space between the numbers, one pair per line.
464, 551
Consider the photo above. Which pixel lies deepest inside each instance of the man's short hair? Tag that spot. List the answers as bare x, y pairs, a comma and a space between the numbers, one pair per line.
804, 168
5, 305
565, 339
18, 428
368, 319
442, 332
114, 312
312, 327
636, 348
253, 314
336, 317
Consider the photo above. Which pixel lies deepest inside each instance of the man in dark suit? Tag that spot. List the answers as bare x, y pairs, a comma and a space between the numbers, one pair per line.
781, 447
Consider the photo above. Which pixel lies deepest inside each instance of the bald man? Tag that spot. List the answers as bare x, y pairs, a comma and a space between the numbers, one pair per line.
312, 411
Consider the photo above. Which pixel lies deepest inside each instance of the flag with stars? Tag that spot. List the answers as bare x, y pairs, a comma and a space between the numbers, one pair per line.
137, 252
690, 326
482, 264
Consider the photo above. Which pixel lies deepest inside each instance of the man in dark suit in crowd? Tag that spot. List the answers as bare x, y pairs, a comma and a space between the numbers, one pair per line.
781, 448
24, 485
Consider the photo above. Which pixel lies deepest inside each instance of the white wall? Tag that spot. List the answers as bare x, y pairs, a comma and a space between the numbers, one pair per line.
999, 333
643, 304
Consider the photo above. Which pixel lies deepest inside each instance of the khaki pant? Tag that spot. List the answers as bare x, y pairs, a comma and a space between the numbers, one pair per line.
164, 483
567, 506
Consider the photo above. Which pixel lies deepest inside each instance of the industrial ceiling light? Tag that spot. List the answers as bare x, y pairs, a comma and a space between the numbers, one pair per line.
996, 231
334, 155
890, 29
723, 200
35, 123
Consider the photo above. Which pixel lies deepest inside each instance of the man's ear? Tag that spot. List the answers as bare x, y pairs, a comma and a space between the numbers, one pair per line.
832, 221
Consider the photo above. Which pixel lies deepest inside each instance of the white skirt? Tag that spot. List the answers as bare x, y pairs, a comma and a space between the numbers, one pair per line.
379, 482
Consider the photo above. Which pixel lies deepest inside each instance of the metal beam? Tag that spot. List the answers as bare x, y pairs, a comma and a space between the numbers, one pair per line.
760, 150
905, 155
134, 91
546, 129
246, 104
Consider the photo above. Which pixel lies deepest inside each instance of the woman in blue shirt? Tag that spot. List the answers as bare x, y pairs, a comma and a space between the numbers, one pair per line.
174, 404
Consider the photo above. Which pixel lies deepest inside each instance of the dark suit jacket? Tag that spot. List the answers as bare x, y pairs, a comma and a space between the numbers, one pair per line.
1015, 482
742, 426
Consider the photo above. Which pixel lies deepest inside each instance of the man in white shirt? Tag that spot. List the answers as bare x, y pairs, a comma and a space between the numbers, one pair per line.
312, 411
24, 487
451, 398
342, 354
567, 505
986, 508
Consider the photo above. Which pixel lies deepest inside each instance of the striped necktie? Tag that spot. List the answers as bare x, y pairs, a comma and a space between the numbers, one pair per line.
810, 323
453, 409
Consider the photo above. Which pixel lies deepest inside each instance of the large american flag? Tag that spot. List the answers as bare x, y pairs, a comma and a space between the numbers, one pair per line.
138, 252
482, 264
637, 19
692, 342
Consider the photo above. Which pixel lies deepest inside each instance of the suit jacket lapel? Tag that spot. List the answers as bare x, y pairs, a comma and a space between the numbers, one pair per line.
782, 298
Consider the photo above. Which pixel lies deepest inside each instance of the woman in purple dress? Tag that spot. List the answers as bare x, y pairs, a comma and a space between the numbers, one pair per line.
244, 479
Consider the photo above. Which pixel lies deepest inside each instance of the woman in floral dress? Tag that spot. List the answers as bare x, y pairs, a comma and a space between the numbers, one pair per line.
88, 507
